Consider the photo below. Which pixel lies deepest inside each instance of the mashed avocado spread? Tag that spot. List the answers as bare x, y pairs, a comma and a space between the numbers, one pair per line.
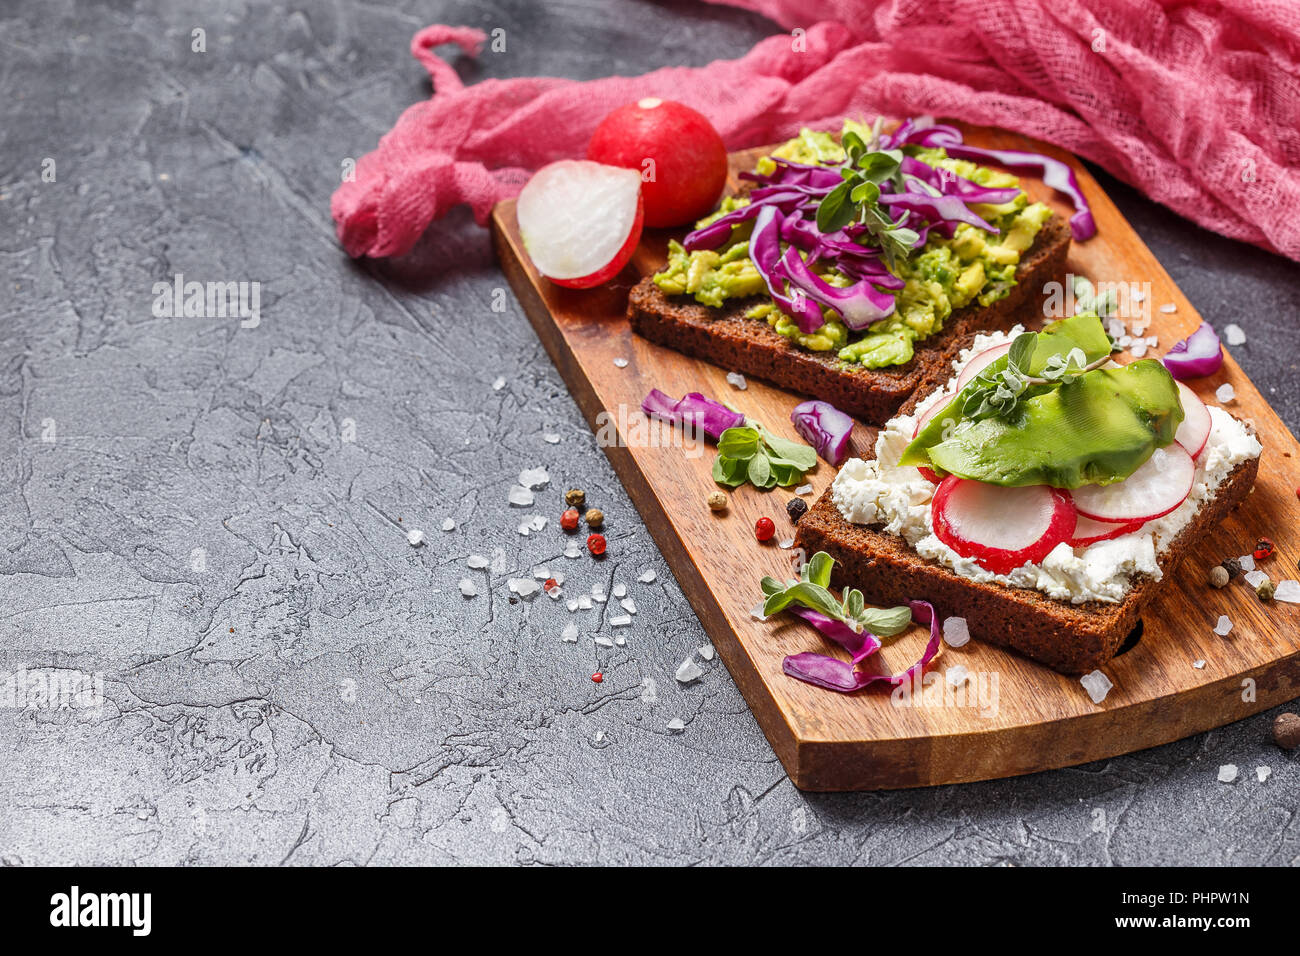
941, 276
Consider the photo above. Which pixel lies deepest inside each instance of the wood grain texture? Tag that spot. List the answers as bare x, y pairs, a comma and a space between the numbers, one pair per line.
1040, 719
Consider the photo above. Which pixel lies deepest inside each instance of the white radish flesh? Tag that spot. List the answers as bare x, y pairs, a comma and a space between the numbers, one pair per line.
575, 216
1194, 431
1001, 528
1089, 531
1155, 489
980, 362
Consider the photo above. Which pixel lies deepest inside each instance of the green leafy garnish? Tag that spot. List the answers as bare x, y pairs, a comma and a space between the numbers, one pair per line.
857, 198
812, 591
749, 452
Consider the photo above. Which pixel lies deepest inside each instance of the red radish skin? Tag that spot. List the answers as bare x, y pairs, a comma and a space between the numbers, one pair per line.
1089, 531
1158, 487
1194, 432
930, 411
679, 155
580, 221
1001, 528
979, 362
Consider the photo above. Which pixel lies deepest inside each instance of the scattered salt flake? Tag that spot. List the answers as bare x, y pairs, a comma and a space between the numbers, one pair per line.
957, 675
1125, 341
620, 362
537, 522
598, 594
448, 524
1115, 328
1288, 591
1139, 329
803, 490
534, 477
622, 620
1233, 334
571, 604
520, 496
737, 380
1138, 349
628, 605
555, 593
523, 529
573, 550
1247, 562
415, 537
551, 438
1168, 307
467, 587
1228, 773
570, 633
1097, 685
499, 384
1255, 578
706, 652
1199, 665
620, 640
604, 641
676, 725
646, 576
476, 561
524, 586
1224, 626
955, 632
1225, 393
688, 671
584, 602
1263, 773
541, 572
620, 590
756, 612
785, 543
1153, 340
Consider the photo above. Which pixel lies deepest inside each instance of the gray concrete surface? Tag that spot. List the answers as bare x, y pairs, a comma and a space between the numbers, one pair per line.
214, 518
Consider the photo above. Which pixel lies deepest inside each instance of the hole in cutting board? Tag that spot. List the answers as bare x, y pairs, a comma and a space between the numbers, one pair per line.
1130, 642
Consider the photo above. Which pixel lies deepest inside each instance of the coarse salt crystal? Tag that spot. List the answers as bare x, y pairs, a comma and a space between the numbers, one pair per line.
1138, 349
1233, 334
1256, 578
1199, 665
1168, 307
803, 490
1097, 685
1247, 562
520, 496
604, 641
572, 605
646, 576
1225, 393
1263, 773
1125, 341
573, 550
448, 524
1223, 627
570, 633
957, 675
537, 522
524, 586
622, 620
554, 593
598, 594
467, 587
541, 572
499, 383
620, 590
737, 380
620, 362
706, 652
523, 529
534, 477
551, 438
956, 632
1288, 591
415, 537
785, 543
688, 671
676, 725
620, 640
476, 561
628, 605
584, 602
1228, 773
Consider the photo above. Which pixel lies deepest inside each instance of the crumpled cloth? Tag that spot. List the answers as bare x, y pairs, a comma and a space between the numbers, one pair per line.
1196, 103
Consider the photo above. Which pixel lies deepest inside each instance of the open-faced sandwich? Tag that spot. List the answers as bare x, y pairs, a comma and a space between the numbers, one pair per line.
1042, 493
854, 266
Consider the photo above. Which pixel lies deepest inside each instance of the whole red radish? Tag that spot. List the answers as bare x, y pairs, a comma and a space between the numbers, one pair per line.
680, 156
580, 221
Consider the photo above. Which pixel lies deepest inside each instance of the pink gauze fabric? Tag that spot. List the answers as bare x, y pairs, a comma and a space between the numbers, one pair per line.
1196, 103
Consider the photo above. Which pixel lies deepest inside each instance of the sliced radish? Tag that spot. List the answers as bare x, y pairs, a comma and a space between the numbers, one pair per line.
1089, 531
930, 411
1001, 528
580, 221
1194, 432
980, 362
1157, 488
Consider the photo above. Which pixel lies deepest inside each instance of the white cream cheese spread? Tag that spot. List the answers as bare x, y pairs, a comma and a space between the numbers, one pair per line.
881, 492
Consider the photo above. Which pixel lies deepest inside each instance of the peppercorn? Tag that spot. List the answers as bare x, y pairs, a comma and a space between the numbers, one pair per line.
598, 677
1232, 566
596, 544
550, 583
1286, 731
1218, 576
1263, 549
717, 501
569, 520
1265, 590
795, 508
764, 528
595, 517
575, 497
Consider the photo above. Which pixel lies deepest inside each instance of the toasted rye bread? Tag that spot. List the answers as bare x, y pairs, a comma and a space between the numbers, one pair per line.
1070, 638
728, 339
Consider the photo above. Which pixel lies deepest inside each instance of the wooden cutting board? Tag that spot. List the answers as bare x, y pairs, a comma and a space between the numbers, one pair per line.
1180, 678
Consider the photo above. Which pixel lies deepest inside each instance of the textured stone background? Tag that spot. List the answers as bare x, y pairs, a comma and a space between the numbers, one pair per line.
320, 692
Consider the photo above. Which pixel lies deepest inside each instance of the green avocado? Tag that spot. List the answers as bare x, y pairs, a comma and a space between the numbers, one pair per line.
1097, 427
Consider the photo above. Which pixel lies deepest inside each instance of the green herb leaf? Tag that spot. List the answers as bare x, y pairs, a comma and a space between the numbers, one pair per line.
760, 472
739, 442
818, 569
836, 211
789, 452
886, 621
1022, 351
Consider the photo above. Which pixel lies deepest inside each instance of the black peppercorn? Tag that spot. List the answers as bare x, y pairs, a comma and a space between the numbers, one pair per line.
795, 508
1232, 566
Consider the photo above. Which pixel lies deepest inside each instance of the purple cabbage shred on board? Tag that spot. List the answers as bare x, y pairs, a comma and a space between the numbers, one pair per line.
713, 418
842, 676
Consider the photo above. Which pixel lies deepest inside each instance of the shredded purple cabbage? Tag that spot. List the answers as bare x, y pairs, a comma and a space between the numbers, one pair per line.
858, 305
712, 417
1197, 355
825, 427
844, 677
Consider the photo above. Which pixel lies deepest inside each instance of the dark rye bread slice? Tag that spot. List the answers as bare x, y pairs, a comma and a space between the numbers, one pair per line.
1070, 638
727, 339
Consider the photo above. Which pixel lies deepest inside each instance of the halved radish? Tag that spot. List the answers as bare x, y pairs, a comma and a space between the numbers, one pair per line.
930, 411
580, 221
1001, 528
1089, 531
1194, 432
980, 362
1157, 488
